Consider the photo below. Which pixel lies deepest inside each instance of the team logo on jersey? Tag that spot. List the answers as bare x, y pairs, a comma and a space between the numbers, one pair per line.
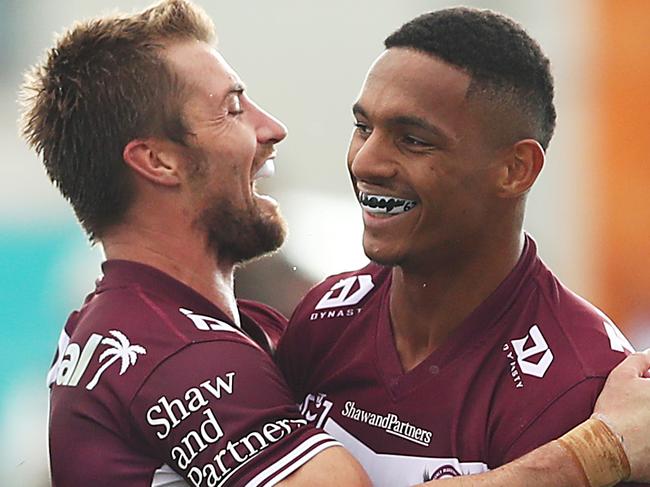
315, 408
525, 353
346, 292
207, 323
531, 355
73, 361
444, 472
343, 294
617, 340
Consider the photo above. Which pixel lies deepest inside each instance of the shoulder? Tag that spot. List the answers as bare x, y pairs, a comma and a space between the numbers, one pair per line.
582, 334
556, 369
122, 335
333, 314
557, 353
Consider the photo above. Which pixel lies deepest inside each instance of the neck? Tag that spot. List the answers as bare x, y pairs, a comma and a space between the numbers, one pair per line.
186, 259
428, 304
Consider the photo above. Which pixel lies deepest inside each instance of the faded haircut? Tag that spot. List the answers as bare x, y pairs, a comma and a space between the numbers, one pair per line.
507, 67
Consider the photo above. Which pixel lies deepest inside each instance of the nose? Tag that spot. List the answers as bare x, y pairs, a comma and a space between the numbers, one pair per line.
369, 158
269, 129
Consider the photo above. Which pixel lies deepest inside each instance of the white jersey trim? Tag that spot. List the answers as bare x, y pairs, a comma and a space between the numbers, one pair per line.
165, 476
391, 470
295, 459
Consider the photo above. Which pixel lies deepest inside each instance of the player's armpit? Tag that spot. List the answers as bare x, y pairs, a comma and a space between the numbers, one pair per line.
334, 466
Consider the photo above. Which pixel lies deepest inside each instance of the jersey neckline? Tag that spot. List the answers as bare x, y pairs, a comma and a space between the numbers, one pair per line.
474, 330
124, 273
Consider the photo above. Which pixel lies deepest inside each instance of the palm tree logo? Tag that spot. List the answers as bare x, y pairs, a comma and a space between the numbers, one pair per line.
119, 348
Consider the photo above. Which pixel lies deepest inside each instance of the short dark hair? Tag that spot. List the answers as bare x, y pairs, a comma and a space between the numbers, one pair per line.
504, 62
104, 84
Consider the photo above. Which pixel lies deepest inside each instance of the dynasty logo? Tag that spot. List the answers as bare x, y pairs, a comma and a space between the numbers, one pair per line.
343, 294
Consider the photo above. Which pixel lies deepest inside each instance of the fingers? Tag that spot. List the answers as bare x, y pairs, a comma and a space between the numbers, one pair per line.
635, 365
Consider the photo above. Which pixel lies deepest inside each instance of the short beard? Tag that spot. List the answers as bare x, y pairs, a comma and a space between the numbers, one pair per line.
239, 235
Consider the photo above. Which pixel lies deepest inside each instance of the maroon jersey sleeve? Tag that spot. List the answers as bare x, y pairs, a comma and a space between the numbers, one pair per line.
560, 416
568, 409
220, 413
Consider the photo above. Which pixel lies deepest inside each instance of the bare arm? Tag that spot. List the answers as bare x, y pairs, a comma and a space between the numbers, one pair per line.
624, 406
575, 460
547, 466
334, 466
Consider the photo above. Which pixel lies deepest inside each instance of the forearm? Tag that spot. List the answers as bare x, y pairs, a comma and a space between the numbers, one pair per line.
547, 466
590, 455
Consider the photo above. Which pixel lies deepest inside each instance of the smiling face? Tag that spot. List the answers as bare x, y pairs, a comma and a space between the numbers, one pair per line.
420, 162
231, 144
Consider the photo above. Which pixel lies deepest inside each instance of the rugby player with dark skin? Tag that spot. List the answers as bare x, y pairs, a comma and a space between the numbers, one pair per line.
161, 166
203, 189
464, 154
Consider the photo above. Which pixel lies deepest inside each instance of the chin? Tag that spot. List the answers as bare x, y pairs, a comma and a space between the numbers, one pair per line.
240, 235
382, 255
260, 238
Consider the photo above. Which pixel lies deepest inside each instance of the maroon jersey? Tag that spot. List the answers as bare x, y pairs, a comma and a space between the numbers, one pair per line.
153, 385
525, 367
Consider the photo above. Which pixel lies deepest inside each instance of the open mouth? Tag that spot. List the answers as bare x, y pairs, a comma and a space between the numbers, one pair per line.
386, 205
265, 171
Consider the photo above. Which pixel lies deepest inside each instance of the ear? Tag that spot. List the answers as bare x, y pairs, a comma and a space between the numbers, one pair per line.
155, 160
523, 164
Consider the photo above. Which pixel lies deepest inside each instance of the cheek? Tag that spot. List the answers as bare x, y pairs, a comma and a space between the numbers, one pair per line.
353, 149
238, 155
445, 193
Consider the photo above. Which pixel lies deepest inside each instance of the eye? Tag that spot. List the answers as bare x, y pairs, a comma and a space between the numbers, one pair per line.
415, 142
235, 105
362, 129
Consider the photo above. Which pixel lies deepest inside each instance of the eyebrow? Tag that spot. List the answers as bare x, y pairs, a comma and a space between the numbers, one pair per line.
407, 121
236, 88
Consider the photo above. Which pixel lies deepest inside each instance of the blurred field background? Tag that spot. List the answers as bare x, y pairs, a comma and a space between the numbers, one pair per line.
304, 62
